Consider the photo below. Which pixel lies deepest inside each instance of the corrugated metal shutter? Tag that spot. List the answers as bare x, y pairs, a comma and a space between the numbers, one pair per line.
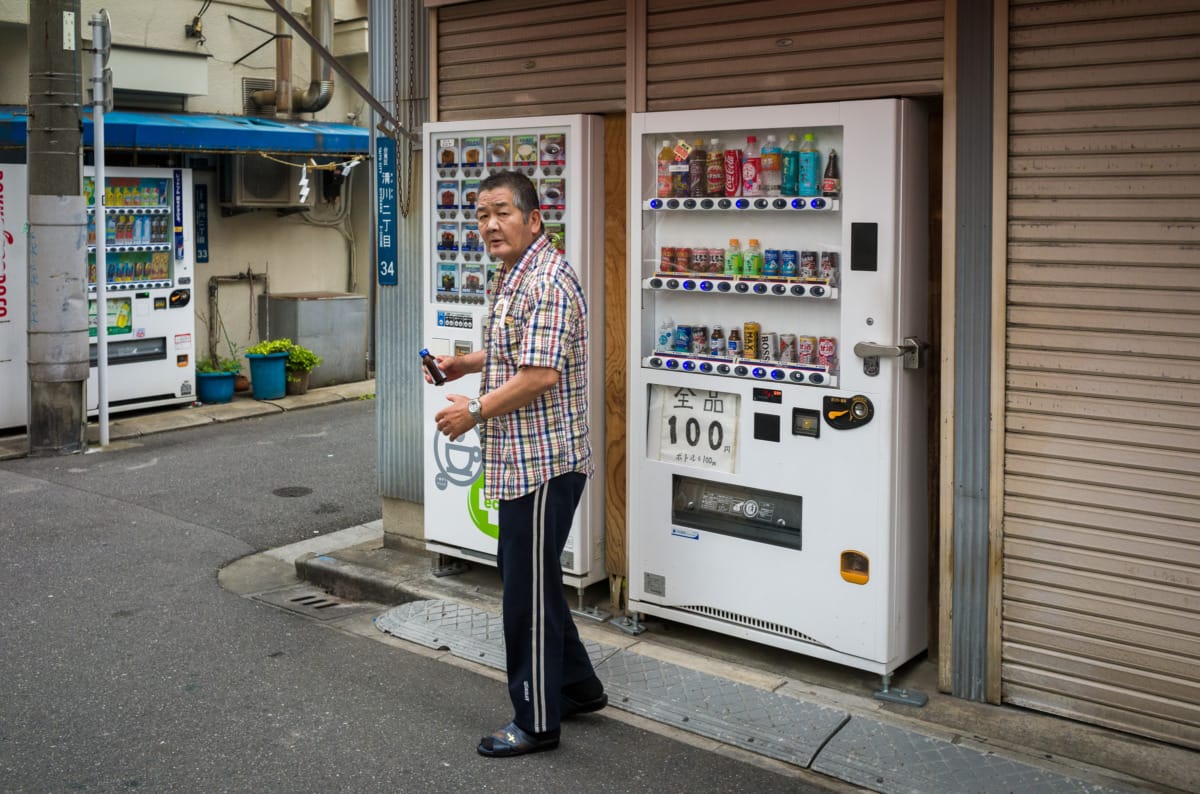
1102, 469
718, 53
503, 58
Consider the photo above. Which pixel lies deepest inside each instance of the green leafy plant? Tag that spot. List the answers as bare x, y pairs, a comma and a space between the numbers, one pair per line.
231, 366
269, 346
301, 359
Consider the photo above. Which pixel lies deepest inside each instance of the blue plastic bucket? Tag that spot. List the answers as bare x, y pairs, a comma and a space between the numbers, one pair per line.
214, 387
268, 375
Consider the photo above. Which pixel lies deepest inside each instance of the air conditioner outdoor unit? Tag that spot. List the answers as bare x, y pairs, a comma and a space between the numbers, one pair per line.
254, 182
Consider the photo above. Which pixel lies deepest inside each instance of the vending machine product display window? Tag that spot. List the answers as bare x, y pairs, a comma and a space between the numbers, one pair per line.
777, 434
563, 156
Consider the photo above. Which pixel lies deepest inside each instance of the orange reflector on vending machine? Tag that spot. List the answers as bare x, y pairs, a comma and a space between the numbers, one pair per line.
856, 567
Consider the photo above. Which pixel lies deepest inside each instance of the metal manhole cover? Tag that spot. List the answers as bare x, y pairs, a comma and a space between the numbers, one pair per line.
311, 602
292, 490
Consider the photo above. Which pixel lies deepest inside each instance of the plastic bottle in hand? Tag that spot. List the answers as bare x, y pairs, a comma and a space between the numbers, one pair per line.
431, 367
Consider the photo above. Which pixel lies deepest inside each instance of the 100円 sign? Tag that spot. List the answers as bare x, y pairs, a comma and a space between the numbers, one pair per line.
693, 427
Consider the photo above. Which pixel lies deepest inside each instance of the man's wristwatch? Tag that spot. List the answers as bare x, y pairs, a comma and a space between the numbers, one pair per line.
476, 411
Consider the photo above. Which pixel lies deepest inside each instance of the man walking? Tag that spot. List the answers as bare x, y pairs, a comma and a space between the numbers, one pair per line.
533, 425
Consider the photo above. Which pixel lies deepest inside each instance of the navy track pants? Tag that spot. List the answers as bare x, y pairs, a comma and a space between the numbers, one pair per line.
542, 645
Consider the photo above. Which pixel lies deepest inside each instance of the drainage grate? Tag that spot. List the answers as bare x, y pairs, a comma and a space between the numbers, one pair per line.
312, 602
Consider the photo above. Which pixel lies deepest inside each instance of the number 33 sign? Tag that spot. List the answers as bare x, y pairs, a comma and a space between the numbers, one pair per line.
695, 428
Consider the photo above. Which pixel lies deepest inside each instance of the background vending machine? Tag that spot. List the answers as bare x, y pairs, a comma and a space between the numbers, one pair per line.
148, 230
563, 155
777, 432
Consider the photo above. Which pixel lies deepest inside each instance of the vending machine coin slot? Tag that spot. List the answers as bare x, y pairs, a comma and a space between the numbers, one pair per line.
737, 511
847, 413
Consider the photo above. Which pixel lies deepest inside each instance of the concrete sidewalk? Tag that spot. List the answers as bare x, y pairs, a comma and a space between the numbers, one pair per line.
762, 699
124, 427
766, 700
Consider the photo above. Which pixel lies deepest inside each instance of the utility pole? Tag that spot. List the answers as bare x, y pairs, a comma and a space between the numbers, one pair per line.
58, 308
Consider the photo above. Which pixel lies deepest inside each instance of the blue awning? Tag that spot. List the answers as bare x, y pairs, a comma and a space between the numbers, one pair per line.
194, 132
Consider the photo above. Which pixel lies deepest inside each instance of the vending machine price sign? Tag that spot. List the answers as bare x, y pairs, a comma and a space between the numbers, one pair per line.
696, 428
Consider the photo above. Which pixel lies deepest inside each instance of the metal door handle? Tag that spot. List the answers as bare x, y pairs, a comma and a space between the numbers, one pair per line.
912, 351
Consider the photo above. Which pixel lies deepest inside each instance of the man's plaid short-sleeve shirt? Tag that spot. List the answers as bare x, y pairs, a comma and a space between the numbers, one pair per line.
537, 319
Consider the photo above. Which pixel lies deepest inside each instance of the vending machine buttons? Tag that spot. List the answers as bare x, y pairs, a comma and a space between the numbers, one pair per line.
724, 286
816, 378
672, 204
655, 361
778, 374
742, 286
761, 204
688, 365
760, 288
816, 291
672, 364
817, 204
724, 204
672, 283
779, 289
798, 377
722, 369
656, 204
779, 204
740, 370
705, 366
799, 203
689, 204
689, 284
759, 372
706, 204
706, 286
656, 282
741, 204
798, 290
847, 413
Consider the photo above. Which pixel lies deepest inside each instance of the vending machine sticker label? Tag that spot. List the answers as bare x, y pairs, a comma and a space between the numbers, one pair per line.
696, 428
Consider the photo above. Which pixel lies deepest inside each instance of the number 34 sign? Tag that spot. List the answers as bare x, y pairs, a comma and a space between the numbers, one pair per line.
695, 428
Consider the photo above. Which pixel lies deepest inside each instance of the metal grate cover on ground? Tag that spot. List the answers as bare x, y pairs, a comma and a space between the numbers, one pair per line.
312, 602
738, 714
893, 759
857, 749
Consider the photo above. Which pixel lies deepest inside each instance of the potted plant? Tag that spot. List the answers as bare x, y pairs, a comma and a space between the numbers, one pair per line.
300, 362
215, 379
268, 377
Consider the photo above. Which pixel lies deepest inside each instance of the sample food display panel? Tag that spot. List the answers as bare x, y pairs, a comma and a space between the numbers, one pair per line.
563, 156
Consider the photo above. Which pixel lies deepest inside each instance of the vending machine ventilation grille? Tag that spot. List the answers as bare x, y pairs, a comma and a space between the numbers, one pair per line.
749, 622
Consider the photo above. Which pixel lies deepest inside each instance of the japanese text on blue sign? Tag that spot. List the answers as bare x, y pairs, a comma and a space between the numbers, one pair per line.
385, 216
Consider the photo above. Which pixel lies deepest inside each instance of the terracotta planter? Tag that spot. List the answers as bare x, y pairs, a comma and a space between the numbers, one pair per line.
299, 386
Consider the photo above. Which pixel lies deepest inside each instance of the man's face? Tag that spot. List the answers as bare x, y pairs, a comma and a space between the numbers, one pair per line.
504, 231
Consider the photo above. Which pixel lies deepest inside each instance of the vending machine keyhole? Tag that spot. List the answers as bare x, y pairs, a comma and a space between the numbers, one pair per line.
871, 366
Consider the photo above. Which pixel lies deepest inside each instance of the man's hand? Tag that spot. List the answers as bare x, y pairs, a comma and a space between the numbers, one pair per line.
454, 367
454, 420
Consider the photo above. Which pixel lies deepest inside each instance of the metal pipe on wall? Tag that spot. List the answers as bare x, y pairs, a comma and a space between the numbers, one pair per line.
214, 313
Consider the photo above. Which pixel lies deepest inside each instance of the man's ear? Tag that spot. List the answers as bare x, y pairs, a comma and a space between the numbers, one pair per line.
535, 217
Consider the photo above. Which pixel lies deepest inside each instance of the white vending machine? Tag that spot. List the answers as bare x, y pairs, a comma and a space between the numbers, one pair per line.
150, 255
147, 228
777, 389
563, 155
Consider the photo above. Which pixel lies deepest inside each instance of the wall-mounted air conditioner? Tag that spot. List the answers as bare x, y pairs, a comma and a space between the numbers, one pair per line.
249, 181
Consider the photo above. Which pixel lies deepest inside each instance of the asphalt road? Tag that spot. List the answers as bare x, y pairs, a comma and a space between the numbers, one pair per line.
124, 665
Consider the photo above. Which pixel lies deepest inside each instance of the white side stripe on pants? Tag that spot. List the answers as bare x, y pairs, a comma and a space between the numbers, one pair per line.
538, 633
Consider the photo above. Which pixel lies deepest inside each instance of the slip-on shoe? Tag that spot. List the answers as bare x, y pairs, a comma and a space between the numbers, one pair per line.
569, 707
511, 740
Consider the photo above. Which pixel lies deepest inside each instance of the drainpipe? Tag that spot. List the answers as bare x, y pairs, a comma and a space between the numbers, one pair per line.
320, 87
214, 321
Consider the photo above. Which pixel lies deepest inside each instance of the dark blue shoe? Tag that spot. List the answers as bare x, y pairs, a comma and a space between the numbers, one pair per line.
511, 740
569, 707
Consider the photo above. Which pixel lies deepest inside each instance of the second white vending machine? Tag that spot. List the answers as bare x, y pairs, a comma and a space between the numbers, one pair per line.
777, 395
564, 157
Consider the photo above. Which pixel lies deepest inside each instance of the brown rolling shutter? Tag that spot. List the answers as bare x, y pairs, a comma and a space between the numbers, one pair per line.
1101, 592
718, 53
502, 58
